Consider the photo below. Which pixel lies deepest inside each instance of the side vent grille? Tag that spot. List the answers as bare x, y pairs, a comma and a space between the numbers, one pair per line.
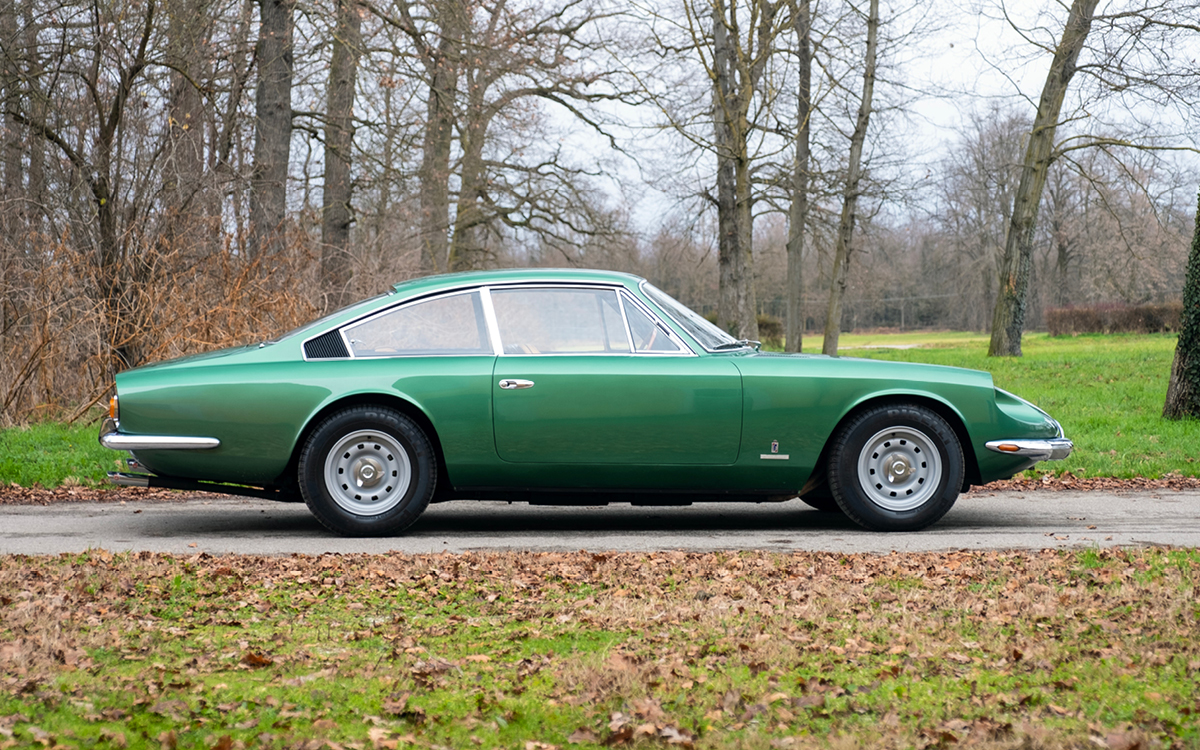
326, 346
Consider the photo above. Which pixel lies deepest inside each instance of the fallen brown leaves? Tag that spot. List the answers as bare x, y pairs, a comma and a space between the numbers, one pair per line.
14, 494
1067, 481
1099, 648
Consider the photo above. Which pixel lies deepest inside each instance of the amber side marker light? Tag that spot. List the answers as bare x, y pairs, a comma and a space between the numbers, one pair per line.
112, 407
1006, 447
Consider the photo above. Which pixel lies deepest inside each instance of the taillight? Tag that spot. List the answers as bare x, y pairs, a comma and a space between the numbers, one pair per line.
113, 411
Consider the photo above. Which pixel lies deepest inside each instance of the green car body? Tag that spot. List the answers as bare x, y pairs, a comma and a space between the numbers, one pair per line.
680, 420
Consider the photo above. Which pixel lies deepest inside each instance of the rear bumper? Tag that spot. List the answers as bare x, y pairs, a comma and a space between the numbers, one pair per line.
1053, 449
112, 437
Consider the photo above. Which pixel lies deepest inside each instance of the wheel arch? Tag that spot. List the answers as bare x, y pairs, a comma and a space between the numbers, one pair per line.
389, 400
971, 473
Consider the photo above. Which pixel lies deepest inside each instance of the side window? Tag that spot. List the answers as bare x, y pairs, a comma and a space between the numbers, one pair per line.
647, 335
560, 321
443, 325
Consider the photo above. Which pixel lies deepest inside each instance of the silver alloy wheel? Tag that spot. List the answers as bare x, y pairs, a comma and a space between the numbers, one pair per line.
899, 468
367, 473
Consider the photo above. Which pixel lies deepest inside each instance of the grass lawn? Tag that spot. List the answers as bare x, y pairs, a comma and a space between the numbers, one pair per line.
1048, 649
1107, 390
50, 454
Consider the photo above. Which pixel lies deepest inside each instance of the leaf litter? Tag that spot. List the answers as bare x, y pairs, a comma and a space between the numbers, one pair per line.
1091, 648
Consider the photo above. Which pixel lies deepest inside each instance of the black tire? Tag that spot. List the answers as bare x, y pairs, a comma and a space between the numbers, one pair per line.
367, 471
895, 468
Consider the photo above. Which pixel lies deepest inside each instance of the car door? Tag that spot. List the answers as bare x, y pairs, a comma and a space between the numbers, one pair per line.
586, 376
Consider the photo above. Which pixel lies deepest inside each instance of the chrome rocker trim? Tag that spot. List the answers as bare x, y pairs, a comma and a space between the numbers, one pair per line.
1053, 449
110, 437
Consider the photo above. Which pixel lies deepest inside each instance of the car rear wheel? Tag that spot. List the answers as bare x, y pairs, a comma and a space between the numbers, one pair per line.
367, 471
896, 468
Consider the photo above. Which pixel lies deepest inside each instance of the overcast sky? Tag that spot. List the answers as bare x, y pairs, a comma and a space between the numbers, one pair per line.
973, 59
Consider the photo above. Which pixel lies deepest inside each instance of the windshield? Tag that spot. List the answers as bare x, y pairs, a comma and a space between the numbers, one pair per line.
705, 333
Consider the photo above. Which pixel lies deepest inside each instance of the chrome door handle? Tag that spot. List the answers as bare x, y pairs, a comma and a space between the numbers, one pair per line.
512, 384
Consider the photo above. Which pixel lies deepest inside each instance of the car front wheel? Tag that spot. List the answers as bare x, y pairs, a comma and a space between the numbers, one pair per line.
896, 468
367, 471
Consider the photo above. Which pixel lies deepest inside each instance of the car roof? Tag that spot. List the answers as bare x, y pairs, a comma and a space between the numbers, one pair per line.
511, 276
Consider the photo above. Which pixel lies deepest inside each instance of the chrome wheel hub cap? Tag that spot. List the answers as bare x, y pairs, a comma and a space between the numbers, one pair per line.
368, 473
899, 468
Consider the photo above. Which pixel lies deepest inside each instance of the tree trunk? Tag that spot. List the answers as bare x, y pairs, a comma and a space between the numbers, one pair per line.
1183, 390
272, 129
1008, 322
10, 93
434, 173
184, 160
336, 213
467, 251
845, 235
793, 331
35, 186
731, 92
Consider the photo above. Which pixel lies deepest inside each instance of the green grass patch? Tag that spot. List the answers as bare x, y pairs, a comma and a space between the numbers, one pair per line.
51, 454
750, 650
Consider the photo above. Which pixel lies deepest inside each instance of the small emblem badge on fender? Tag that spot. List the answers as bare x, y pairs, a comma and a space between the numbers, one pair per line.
774, 454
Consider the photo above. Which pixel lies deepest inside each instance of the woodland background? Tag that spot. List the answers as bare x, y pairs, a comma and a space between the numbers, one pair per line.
177, 175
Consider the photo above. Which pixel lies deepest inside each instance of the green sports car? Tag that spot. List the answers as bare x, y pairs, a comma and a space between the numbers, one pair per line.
562, 386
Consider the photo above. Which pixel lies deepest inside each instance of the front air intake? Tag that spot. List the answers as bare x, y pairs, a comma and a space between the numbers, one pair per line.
326, 346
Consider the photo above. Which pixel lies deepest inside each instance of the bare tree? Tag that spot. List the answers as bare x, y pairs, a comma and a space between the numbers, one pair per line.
186, 204
845, 235
793, 331
742, 44
337, 214
1183, 389
109, 76
1131, 58
1009, 319
975, 195
273, 128
437, 37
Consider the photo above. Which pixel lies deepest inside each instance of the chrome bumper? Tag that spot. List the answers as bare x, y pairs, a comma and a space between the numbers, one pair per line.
111, 437
1052, 449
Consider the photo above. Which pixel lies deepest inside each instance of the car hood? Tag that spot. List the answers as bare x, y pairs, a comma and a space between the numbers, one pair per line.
822, 364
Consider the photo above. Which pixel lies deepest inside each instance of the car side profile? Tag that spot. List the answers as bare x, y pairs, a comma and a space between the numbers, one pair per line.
562, 386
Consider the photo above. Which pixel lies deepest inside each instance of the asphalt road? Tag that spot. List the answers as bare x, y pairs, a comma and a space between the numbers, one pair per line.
222, 525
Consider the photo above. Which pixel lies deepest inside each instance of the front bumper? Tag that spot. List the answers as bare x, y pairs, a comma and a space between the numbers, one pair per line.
1051, 449
111, 437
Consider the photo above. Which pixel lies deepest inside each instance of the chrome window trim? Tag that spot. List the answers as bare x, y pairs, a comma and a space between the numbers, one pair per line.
466, 287
684, 349
342, 329
673, 319
625, 321
621, 291
484, 288
489, 318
